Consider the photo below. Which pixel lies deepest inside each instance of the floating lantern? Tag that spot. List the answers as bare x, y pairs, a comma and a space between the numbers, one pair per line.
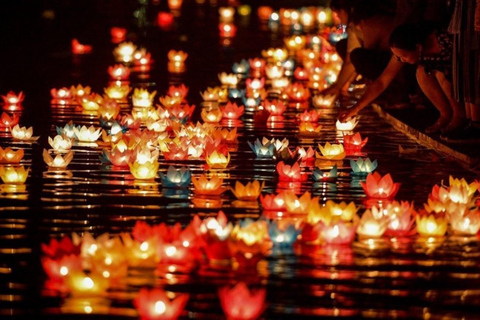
12, 101
319, 175
310, 129
208, 187
81, 284
400, 218
23, 134
109, 109
7, 121
156, 304
264, 13
164, 19
331, 152
370, 226
241, 303
84, 134
119, 72
304, 154
78, 48
309, 116
348, 125
118, 93
175, 4
61, 96
244, 10
429, 225
274, 71
140, 253
280, 83
249, 192
226, 14
283, 234
297, 205
300, 74
297, 92
353, 143
272, 202
211, 115
466, 222
275, 107
79, 91
338, 232
215, 232
8, 155
13, 175
472, 187
218, 160
58, 269
227, 30
180, 91
141, 98
249, 243
109, 259
120, 158
90, 102
170, 101
363, 167
262, 150
232, 111
290, 173
118, 34
59, 161
380, 187
229, 80
177, 56
142, 58
176, 178
124, 52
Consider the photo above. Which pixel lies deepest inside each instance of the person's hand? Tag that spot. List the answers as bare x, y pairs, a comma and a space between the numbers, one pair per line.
345, 114
332, 90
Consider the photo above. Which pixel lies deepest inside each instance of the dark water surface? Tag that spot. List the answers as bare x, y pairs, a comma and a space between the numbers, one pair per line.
405, 280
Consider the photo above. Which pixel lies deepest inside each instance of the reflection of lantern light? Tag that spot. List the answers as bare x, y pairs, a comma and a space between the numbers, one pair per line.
14, 175
380, 187
8, 155
13, 102
155, 304
241, 303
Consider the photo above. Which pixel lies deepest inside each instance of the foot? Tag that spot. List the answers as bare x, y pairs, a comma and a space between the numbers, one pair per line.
454, 124
438, 126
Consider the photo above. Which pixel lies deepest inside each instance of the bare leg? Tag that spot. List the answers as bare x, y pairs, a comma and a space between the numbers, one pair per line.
433, 91
459, 112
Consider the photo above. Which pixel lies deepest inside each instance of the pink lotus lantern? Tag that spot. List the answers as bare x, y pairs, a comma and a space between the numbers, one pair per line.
142, 58
290, 173
255, 84
79, 48
61, 96
120, 158
176, 152
58, 269
157, 304
370, 226
164, 19
380, 187
118, 34
310, 116
401, 218
109, 109
180, 91
257, 66
338, 232
273, 202
240, 303
7, 121
13, 102
8, 155
232, 111
227, 30
353, 143
119, 72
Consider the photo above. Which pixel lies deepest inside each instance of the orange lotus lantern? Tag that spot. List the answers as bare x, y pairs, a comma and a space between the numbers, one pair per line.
59, 161
178, 91
90, 102
109, 259
109, 109
124, 52
275, 107
331, 152
291, 173
14, 175
119, 72
240, 303
353, 143
140, 253
218, 160
380, 187
81, 284
157, 304
208, 187
300, 74
13, 102
348, 125
8, 155
176, 60
400, 218
232, 111
429, 225
79, 48
309, 129
297, 92
7, 121
465, 222
298, 205
226, 14
310, 116
141, 98
249, 192
23, 134
273, 202
370, 226
118, 34
142, 58
211, 115
264, 12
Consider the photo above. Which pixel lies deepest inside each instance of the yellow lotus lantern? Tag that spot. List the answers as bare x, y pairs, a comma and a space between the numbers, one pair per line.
218, 160
118, 93
208, 187
80, 91
429, 225
331, 152
341, 210
297, 205
140, 254
249, 192
60, 143
370, 226
472, 187
81, 284
144, 171
124, 52
109, 260
8, 155
90, 102
228, 79
59, 161
84, 134
465, 222
308, 128
213, 115
141, 98
13, 175
23, 134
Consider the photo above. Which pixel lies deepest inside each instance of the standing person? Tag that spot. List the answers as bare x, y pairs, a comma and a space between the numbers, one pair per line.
431, 51
466, 59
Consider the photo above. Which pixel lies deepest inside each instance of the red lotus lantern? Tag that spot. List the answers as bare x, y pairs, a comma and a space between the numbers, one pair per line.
380, 187
164, 20
118, 34
353, 143
78, 48
240, 303
7, 121
290, 173
156, 304
13, 102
